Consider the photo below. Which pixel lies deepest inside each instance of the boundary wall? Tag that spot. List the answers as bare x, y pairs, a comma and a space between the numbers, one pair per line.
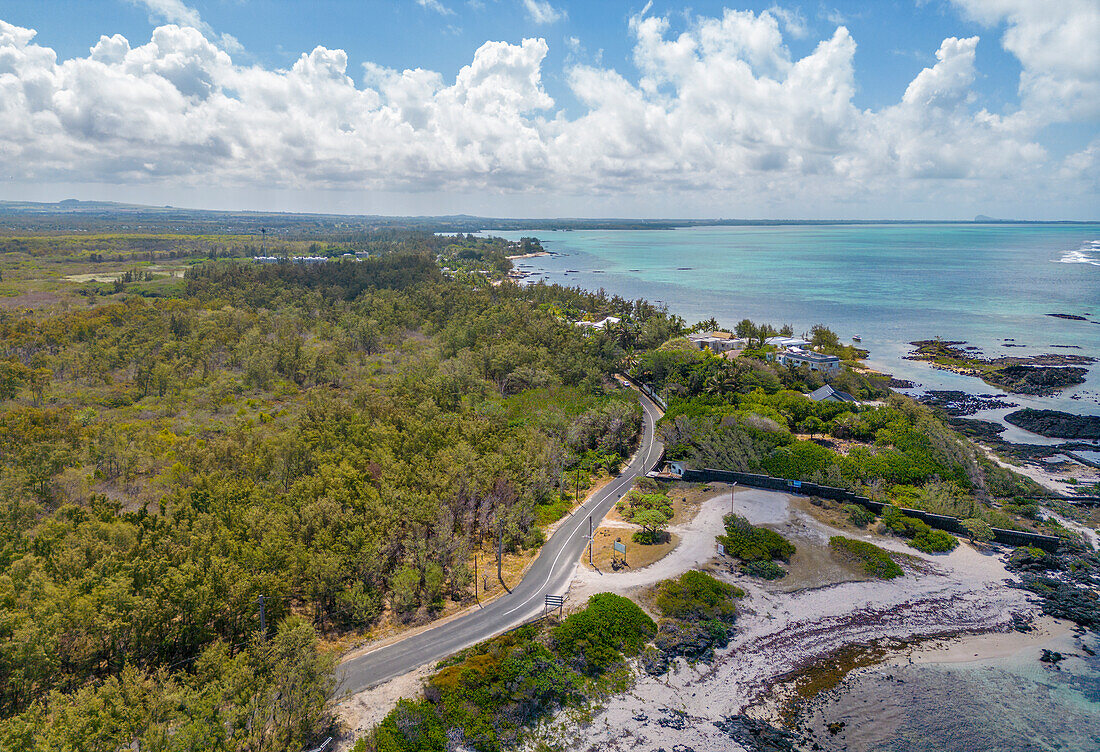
937, 521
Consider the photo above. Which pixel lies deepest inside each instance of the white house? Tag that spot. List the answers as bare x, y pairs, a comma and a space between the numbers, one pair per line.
786, 342
601, 324
827, 364
717, 341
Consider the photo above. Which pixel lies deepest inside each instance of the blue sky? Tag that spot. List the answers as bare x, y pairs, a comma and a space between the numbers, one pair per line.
860, 149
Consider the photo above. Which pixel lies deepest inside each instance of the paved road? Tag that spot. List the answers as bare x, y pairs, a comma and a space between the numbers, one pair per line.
550, 573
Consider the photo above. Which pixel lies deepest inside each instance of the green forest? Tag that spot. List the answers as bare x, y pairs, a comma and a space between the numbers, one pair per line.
336, 438
185, 433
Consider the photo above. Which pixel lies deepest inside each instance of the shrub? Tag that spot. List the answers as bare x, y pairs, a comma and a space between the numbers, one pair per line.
934, 542
766, 570
697, 612
874, 560
859, 515
921, 535
609, 625
748, 543
697, 595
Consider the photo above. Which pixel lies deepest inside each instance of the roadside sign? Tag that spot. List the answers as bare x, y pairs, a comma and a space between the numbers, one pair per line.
721, 550
794, 483
620, 547
554, 601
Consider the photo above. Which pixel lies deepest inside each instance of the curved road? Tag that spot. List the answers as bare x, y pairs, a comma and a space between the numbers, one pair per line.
550, 574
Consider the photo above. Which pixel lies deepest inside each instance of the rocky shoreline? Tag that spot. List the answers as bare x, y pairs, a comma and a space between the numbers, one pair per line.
1038, 375
1056, 424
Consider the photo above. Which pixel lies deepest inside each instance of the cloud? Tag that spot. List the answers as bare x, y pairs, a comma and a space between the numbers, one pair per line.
719, 109
793, 21
435, 5
1056, 44
542, 12
178, 12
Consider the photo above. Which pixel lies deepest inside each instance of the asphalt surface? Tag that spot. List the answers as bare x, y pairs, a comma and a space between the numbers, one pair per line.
549, 574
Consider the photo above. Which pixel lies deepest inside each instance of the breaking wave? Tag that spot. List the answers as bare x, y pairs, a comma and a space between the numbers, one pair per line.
1089, 253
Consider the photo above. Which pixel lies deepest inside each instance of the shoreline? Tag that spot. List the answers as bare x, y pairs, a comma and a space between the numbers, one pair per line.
782, 634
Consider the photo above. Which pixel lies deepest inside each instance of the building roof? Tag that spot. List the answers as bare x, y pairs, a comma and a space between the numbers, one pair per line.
825, 392
786, 342
809, 355
698, 336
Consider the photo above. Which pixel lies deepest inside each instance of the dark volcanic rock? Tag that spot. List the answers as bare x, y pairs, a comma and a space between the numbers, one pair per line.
1037, 380
755, 735
976, 429
1051, 656
1068, 316
1056, 424
1066, 582
958, 404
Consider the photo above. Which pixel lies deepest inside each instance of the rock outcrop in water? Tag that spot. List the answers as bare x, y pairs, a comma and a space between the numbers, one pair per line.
1056, 424
1036, 374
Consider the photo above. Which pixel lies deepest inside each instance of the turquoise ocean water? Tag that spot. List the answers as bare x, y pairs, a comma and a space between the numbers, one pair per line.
989, 285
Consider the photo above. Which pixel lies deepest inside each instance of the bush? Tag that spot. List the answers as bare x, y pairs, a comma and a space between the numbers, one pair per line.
748, 543
697, 595
697, 612
609, 625
921, 535
859, 515
934, 542
766, 570
874, 560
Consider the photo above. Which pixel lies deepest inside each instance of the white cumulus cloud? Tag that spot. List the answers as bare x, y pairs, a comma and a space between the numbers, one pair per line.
719, 108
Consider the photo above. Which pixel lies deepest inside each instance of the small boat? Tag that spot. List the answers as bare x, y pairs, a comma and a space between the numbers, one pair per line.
857, 338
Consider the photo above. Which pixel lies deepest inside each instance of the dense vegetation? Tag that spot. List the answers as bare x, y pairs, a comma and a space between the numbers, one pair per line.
490, 695
750, 415
874, 560
338, 438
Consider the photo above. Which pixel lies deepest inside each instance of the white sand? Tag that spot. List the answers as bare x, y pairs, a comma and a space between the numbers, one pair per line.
362, 712
779, 632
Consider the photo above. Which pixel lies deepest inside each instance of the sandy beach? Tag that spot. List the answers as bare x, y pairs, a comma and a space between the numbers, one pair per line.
781, 633
950, 607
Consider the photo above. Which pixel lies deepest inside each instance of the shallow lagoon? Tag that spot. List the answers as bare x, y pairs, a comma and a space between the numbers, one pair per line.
989, 285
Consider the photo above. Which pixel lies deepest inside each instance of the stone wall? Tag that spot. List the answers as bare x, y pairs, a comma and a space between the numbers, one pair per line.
938, 521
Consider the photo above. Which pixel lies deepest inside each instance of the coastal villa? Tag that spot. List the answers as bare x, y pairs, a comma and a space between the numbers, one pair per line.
795, 357
787, 342
718, 342
601, 324
828, 394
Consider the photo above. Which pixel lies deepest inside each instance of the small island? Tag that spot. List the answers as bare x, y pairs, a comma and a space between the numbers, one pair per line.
1037, 374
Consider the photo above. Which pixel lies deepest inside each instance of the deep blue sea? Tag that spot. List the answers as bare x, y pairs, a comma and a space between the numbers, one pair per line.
987, 284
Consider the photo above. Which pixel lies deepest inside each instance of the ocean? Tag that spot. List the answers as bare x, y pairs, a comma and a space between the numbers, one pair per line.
1007, 704
990, 285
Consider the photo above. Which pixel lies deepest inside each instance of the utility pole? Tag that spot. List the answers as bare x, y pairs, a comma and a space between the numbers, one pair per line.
263, 620
476, 586
500, 555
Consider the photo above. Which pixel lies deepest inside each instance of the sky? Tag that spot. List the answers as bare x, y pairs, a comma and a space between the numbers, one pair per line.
896, 109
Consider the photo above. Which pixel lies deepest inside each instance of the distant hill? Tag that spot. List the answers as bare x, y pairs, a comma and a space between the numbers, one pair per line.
73, 215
